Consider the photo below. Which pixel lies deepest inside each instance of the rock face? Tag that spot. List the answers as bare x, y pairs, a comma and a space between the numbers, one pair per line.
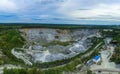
37, 47
56, 44
47, 35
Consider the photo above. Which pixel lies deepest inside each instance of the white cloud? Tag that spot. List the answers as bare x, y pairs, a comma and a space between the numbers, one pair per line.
7, 5
99, 11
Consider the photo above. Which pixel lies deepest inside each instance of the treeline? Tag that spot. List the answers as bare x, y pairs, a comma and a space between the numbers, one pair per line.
22, 71
59, 26
70, 67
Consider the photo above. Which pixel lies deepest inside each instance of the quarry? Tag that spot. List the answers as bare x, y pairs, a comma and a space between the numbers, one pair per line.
47, 45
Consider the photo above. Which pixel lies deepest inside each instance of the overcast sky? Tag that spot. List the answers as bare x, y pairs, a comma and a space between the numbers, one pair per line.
60, 11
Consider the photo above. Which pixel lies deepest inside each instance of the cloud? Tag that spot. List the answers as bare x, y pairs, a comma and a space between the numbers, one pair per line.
73, 10
102, 9
60, 10
7, 5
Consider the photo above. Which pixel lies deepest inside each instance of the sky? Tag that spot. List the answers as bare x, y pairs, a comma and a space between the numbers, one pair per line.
60, 11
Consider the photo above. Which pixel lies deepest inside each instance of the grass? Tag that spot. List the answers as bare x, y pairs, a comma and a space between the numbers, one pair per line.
58, 43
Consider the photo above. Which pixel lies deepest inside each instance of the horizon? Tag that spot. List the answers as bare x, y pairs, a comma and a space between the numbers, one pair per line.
58, 24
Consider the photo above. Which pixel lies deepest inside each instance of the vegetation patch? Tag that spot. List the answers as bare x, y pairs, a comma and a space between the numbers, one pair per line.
116, 56
58, 43
9, 39
56, 70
